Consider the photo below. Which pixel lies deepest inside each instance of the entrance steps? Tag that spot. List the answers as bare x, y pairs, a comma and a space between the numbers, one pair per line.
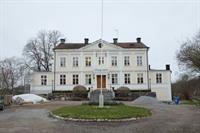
94, 95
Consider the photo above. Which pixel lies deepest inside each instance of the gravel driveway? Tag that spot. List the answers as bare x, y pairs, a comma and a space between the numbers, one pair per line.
35, 119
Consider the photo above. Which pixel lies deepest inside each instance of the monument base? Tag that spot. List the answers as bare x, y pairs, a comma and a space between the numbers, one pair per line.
101, 100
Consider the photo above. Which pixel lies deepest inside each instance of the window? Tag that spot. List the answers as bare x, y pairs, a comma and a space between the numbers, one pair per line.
87, 61
101, 60
75, 61
127, 78
126, 61
140, 78
43, 80
62, 61
158, 78
75, 79
62, 79
139, 60
114, 78
88, 79
114, 60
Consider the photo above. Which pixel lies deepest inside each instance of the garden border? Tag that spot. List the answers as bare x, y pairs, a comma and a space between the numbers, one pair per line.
96, 120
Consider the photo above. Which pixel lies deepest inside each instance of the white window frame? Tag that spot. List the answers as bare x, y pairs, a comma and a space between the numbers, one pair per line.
114, 61
88, 79
114, 78
127, 79
126, 61
62, 61
88, 61
62, 79
140, 79
43, 79
75, 61
158, 78
75, 79
101, 60
139, 60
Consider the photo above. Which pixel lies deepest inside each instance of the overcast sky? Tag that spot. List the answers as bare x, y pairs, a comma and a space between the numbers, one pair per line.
162, 24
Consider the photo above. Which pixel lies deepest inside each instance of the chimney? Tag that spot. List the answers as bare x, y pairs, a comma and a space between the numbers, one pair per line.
86, 40
115, 40
167, 67
138, 40
62, 40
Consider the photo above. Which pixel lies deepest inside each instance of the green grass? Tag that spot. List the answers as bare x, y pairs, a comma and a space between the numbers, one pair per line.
108, 112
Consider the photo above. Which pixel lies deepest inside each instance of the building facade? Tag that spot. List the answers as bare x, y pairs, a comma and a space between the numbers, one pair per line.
102, 64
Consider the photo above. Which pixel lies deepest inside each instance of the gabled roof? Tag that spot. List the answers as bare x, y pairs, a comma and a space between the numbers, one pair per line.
125, 45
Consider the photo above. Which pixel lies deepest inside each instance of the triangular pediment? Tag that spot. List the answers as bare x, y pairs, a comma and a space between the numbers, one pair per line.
104, 46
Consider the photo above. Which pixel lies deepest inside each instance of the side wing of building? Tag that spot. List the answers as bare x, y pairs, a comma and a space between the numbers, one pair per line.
160, 82
41, 82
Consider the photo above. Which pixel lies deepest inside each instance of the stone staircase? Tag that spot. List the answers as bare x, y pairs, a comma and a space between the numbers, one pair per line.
94, 95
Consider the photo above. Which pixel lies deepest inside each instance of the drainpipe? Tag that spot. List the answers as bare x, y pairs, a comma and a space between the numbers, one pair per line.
147, 58
54, 73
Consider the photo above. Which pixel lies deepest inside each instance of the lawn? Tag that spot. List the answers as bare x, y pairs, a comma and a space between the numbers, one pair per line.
108, 112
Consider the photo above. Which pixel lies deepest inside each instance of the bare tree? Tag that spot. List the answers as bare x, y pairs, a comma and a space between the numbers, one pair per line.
39, 51
11, 71
189, 54
33, 55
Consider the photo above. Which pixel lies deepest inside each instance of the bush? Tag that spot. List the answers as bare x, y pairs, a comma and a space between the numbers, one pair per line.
79, 92
186, 89
122, 92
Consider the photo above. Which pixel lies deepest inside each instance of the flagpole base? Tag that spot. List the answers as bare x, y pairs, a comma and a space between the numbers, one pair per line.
101, 100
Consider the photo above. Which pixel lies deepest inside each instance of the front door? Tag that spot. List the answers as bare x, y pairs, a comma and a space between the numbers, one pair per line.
99, 81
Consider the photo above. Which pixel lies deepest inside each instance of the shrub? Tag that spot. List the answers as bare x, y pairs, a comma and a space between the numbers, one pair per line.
79, 92
186, 89
122, 92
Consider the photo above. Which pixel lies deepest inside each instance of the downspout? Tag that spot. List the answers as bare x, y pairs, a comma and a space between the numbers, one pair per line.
147, 68
54, 73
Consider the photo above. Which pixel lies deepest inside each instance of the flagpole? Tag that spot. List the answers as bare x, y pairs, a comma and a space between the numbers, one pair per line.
101, 97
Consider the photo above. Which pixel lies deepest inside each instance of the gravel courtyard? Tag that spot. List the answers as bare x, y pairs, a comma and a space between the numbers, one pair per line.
35, 119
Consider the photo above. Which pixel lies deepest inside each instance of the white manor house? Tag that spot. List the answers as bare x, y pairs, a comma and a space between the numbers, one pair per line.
119, 63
